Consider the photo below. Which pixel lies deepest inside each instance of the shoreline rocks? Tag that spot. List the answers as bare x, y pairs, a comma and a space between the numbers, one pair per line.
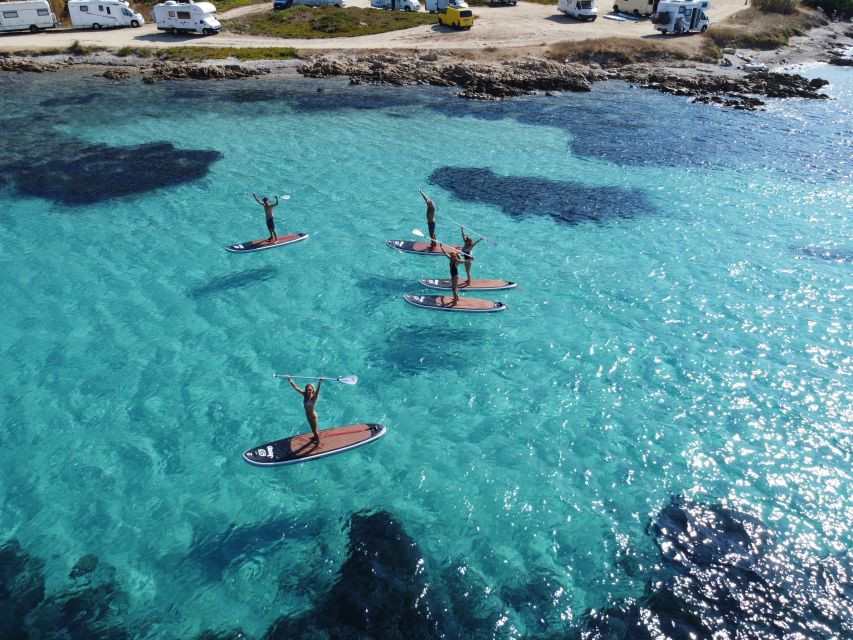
513, 78
479, 81
160, 71
19, 65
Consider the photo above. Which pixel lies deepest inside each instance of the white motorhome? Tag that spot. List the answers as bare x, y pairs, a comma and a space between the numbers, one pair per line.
579, 9
103, 13
34, 15
681, 16
434, 6
186, 17
636, 7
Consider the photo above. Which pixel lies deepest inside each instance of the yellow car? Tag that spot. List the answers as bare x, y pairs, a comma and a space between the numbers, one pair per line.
456, 18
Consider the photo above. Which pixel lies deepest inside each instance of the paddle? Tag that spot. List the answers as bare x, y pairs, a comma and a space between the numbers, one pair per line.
344, 379
469, 229
421, 234
283, 196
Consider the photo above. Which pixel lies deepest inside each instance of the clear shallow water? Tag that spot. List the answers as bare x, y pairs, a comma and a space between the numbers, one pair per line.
680, 343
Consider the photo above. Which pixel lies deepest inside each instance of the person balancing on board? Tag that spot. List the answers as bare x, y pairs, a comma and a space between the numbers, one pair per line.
455, 259
468, 253
430, 214
309, 399
268, 207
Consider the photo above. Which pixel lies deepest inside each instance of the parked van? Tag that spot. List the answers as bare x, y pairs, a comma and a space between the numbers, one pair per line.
396, 5
636, 7
681, 16
434, 6
322, 3
103, 13
34, 15
456, 18
579, 9
186, 17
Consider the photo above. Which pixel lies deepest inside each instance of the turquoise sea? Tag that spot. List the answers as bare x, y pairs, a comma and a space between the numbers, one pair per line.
653, 440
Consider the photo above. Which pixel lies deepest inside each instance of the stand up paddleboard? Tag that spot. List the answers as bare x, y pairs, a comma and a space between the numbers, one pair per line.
445, 303
415, 246
263, 243
302, 448
480, 285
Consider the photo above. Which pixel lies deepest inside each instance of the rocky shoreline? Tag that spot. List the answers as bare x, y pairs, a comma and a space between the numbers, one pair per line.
523, 77
731, 87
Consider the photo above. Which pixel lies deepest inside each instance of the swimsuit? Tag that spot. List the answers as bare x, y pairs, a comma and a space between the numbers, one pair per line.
271, 224
454, 270
431, 226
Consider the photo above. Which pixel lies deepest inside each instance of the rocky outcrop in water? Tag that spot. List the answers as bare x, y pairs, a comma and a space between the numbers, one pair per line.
478, 81
727, 90
117, 74
521, 77
840, 61
179, 71
20, 65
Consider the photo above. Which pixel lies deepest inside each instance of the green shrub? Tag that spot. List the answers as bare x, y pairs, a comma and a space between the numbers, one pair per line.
843, 7
324, 22
335, 23
199, 54
776, 6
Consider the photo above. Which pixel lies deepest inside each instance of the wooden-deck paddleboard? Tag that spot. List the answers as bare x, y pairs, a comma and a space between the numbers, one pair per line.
301, 448
263, 243
445, 303
480, 285
416, 246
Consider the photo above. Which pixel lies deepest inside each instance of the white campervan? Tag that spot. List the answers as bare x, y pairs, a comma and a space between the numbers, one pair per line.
103, 13
681, 16
186, 17
34, 15
434, 6
636, 7
579, 9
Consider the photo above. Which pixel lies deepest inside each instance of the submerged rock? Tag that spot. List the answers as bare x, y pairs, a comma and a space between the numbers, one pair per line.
85, 565
383, 590
64, 169
723, 576
519, 196
21, 589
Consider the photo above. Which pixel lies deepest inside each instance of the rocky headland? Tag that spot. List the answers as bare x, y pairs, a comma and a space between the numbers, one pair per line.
494, 81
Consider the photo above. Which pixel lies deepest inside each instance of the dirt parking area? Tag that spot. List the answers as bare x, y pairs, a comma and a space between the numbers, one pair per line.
526, 25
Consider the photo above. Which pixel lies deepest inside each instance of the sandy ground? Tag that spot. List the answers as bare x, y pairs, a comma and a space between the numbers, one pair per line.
525, 25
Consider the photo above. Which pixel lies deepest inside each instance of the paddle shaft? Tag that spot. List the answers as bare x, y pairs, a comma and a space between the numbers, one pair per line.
278, 375
420, 233
462, 226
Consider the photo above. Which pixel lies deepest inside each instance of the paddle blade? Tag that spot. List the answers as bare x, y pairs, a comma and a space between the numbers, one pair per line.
348, 379
418, 233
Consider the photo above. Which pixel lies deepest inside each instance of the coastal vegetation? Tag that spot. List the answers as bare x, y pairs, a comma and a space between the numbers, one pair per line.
199, 54
756, 29
621, 51
326, 22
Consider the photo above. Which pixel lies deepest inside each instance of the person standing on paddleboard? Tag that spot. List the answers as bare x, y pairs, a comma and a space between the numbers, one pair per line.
467, 252
455, 259
430, 214
268, 207
309, 399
